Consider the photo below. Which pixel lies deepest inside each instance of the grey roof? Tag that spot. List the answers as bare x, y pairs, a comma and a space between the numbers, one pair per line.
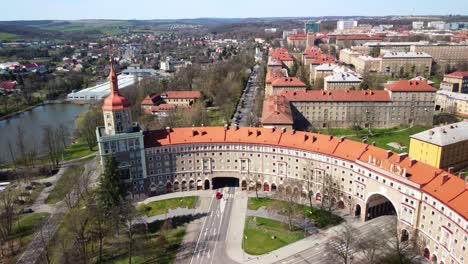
342, 77
410, 54
445, 135
453, 95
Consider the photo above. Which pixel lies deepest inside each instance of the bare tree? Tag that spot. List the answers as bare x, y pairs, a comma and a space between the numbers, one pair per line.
371, 249
343, 246
54, 147
402, 249
129, 219
289, 205
21, 145
77, 223
7, 218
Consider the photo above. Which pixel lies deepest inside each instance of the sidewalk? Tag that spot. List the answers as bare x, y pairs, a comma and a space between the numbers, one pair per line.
236, 233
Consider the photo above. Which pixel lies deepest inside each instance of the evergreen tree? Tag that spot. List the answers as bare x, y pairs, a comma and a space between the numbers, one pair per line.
111, 187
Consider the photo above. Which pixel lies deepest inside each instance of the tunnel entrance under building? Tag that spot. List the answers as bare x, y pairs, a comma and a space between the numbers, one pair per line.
221, 182
378, 205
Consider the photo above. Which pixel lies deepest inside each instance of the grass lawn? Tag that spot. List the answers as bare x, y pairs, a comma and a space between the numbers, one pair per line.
27, 224
163, 206
216, 118
77, 150
8, 36
258, 233
63, 186
381, 137
321, 218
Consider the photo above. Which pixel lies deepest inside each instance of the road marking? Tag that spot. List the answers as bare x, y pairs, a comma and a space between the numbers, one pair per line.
219, 229
203, 226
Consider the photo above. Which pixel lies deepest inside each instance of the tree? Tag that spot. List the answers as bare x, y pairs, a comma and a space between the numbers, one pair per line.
371, 249
86, 125
77, 222
403, 251
111, 188
7, 216
53, 146
129, 219
98, 226
289, 205
343, 246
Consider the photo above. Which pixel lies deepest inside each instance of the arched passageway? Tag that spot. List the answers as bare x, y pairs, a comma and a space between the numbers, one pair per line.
184, 186
221, 182
378, 205
273, 187
176, 187
357, 212
244, 185
404, 235
168, 187
199, 185
426, 253
341, 205
207, 184
266, 187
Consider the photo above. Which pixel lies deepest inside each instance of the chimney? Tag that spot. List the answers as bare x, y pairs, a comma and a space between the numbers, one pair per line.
249, 132
342, 138
306, 137
283, 130
258, 133
461, 174
402, 156
412, 162
293, 131
168, 129
237, 127
314, 138
445, 178
364, 140
226, 127
389, 153
194, 132
450, 170
330, 137
273, 129
373, 143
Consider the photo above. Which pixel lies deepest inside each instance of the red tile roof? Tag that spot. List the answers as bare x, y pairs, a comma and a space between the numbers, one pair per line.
181, 94
281, 54
275, 74
7, 85
297, 36
458, 74
450, 190
276, 111
359, 38
288, 81
410, 86
338, 95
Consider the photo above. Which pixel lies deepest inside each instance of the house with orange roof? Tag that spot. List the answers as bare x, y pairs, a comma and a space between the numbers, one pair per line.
456, 82
297, 41
162, 104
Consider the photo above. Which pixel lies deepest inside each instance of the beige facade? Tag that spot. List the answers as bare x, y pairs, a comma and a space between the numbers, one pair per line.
363, 64
411, 65
444, 54
341, 85
365, 186
452, 103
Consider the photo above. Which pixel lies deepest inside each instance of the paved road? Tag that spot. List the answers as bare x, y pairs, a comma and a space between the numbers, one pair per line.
244, 110
211, 247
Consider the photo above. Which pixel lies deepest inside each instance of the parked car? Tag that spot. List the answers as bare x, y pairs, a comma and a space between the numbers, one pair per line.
219, 195
26, 211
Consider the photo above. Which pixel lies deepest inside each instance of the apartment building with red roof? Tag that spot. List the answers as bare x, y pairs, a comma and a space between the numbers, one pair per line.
373, 182
297, 41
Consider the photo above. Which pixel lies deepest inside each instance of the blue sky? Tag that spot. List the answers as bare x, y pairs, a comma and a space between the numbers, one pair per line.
157, 9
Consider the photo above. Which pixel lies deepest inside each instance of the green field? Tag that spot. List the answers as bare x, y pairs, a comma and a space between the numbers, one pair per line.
77, 150
8, 36
381, 136
64, 184
216, 118
27, 224
259, 233
163, 206
320, 217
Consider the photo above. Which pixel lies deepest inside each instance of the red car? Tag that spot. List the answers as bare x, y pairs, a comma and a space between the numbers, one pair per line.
219, 195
